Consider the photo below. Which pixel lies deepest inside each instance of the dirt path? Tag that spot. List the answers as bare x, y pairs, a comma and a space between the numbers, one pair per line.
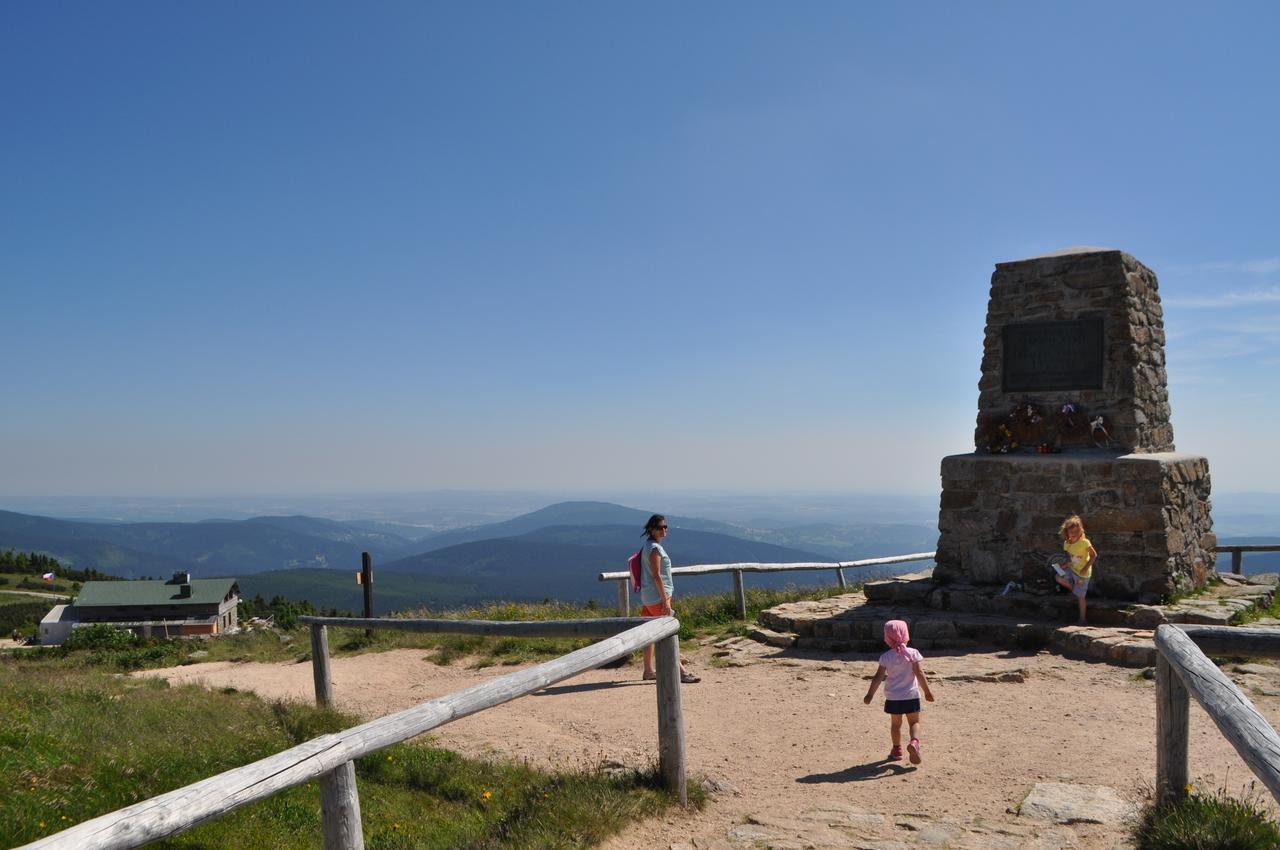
788, 733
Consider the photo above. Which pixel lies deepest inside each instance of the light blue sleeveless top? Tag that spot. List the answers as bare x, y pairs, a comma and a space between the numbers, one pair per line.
649, 594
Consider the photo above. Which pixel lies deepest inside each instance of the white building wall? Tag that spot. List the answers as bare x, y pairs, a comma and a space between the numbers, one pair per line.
56, 626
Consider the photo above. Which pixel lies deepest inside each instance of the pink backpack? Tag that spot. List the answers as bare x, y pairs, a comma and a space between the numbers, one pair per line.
633, 564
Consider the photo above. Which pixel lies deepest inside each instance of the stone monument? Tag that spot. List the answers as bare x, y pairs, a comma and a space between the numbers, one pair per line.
1073, 418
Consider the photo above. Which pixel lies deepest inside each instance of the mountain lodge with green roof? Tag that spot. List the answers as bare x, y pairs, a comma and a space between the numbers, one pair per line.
179, 607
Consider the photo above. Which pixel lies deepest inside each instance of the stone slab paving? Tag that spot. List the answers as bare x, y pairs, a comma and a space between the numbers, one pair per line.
1058, 802
1055, 816
1052, 815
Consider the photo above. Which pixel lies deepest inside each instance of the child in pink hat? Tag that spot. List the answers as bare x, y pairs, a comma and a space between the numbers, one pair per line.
904, 681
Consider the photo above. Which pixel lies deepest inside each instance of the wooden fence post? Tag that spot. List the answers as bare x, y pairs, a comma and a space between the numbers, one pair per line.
366, 583
339, 801
840, 579
670, 717
1237, 558
320, 665
624, 598
340, 809
1172, 710
740, 594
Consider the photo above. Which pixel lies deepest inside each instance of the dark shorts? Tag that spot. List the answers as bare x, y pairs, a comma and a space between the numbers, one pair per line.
902, 706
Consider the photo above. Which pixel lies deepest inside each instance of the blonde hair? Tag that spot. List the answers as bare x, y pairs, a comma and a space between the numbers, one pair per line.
1070, 522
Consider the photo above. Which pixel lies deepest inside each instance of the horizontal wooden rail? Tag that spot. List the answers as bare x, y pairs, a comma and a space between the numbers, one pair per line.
175, 811
1237, 553
1253, 641
624, 602
709, 569
1181, 669
601, 627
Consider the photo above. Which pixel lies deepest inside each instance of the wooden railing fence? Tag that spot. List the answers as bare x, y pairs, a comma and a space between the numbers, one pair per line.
1182, 668
624, 598
330, 757
623, 577
1237, 554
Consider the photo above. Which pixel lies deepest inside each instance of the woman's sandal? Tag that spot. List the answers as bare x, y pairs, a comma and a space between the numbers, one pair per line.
649, 677
689, 678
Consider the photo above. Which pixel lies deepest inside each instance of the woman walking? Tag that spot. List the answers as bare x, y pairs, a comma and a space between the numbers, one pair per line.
656, 587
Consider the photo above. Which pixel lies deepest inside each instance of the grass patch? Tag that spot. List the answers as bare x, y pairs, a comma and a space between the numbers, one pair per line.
34, 581
706, 615
1213, 821
76, 744
1258, 612
1181, 595
79, 741
718, 613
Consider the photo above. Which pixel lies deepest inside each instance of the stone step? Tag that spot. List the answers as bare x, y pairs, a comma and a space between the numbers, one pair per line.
858, 628
1221, 604
947, 617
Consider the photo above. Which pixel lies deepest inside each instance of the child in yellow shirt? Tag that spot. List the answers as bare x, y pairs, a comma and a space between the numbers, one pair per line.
1083, 556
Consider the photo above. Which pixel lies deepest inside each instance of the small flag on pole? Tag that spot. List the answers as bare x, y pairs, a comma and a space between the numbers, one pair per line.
47, 576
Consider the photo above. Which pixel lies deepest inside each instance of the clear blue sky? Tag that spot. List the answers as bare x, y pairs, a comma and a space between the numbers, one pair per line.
297, 247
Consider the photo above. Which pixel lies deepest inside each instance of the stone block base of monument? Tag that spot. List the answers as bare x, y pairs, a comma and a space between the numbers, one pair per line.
962, 617
1147, 515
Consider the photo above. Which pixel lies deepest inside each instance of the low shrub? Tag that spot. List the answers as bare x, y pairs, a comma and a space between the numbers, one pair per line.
101, 636
1214, 821
146, 654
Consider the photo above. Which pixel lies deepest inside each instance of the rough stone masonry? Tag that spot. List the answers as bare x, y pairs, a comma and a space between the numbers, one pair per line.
1074, 417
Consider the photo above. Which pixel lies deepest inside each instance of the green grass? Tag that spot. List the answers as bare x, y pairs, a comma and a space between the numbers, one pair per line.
79, 743
1258, 612
33, 581
706, 615
1194, 593
1212, 821
717, 614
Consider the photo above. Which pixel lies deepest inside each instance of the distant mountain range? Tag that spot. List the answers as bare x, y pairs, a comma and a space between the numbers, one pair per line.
563, 561
554, 552
338, 589
571, 514
213, 547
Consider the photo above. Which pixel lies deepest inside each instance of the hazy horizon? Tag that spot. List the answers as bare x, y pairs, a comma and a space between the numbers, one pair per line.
1235, 513
495, 504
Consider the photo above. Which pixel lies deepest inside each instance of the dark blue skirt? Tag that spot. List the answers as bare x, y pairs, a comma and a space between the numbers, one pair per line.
902, 706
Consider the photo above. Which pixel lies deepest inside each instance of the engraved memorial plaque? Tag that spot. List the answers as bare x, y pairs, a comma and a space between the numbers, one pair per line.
1063, 355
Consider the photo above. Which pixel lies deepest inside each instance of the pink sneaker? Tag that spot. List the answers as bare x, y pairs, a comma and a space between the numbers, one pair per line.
896, 753
913, 750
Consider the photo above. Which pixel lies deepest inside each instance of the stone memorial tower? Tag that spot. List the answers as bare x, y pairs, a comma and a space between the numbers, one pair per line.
1073, 418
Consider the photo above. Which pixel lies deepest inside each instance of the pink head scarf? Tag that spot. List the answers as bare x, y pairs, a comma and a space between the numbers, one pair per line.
896, 635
